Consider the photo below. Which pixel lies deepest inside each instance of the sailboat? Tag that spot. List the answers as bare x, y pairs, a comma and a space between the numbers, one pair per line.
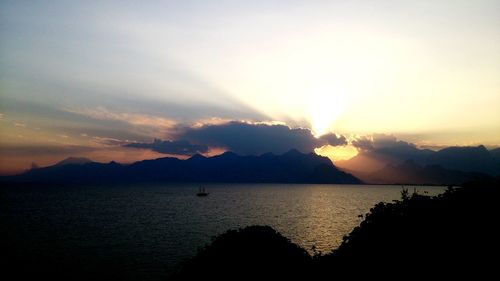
201, 192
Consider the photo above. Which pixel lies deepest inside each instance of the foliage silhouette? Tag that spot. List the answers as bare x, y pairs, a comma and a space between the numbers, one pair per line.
255, 252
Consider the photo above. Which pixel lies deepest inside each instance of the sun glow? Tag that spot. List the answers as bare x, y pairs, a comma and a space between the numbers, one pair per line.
325, 108
336, 153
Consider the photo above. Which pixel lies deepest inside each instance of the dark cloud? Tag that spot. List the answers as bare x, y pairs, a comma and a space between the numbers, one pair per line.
387, 149
334, 140
253, 139
178, 147
109, 141
363, 143
381, 142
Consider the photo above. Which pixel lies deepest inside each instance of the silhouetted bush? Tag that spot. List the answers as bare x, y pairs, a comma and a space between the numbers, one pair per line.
255, 252
451, 234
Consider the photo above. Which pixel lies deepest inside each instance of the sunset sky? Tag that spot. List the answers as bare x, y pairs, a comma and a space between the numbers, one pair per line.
89, 78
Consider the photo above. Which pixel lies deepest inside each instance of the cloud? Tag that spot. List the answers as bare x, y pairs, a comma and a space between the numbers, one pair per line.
178, 147
51, 150
380, 142
334, 140
257, 138
108, 141
210, 121
102, 113
363, 143
385, 149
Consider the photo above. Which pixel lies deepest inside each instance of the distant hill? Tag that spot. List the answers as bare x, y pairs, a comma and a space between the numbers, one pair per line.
466, 159
373, 160
291, 167
73, 161
410, 172
495, 152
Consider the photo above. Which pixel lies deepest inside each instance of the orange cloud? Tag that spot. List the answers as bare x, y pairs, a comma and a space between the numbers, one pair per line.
102, 113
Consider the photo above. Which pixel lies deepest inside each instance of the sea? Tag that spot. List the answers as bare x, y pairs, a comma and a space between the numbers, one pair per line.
145, 231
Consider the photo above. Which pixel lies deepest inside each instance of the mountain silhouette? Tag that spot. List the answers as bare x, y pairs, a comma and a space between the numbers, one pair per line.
410, 172
73, 161
495, 153
291, 167
467, 159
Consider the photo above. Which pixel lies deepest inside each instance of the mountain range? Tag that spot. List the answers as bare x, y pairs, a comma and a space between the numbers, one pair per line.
290, 167
404, 165
407, 163
410, 172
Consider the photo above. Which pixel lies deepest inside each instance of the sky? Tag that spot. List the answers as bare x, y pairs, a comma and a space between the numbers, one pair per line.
104, 79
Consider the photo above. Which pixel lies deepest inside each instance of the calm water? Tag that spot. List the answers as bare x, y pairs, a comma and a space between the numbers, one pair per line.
145, 230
